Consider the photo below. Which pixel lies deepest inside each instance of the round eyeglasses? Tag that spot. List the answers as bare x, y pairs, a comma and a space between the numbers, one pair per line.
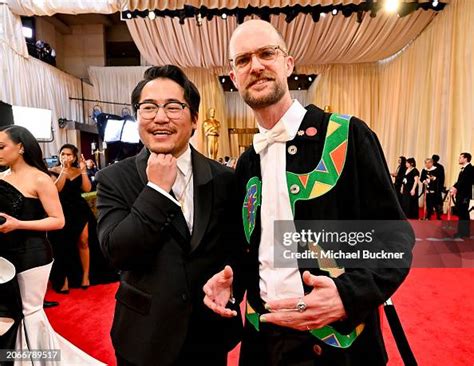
266, 55
149, 110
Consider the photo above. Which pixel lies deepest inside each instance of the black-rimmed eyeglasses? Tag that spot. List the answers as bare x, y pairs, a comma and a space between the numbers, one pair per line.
149, 110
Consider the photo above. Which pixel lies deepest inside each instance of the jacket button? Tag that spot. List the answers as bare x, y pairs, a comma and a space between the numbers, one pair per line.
184, 297
294, 189
172, 215
317, 349
292, 149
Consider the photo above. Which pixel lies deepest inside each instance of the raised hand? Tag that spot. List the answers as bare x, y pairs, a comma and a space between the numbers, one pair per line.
162, 170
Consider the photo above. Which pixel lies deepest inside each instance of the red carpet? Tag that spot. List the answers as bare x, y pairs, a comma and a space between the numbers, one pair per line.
435, 307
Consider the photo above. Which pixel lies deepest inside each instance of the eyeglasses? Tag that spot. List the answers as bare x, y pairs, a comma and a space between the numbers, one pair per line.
149, 110
266, 55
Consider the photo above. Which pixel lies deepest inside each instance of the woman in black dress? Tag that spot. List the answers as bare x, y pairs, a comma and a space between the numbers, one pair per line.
72, 241
409, 190
398, 176
30, 207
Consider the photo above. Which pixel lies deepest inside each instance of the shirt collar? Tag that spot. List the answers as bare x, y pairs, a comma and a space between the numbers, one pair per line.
184, 162
291, 119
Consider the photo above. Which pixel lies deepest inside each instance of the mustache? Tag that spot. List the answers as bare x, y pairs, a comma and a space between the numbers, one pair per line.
255, 79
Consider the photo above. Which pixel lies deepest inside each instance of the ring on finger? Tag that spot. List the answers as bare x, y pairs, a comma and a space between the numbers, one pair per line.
301, 305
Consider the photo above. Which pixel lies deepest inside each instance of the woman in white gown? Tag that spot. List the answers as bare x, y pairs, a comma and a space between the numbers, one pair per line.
30, 205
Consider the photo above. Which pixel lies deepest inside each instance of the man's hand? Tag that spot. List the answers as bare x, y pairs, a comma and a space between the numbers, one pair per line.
323, 306
218, 292
453, 191
162, 170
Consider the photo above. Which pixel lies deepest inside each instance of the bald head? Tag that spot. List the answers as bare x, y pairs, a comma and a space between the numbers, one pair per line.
251, 29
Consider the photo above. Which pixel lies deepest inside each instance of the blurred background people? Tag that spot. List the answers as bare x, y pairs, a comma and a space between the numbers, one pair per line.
441, 173
462, 190
30, 206
398, 176
409, 189
71, 180
430, 177
91, 169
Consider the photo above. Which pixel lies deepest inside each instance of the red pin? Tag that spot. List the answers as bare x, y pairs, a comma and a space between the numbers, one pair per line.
311, 131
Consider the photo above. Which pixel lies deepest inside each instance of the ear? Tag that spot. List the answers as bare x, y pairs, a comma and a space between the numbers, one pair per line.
290, 65
233, 78
194, 122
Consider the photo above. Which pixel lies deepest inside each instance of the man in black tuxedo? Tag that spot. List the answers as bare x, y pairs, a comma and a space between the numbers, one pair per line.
306, 314
462, 189
441, 172
166, 220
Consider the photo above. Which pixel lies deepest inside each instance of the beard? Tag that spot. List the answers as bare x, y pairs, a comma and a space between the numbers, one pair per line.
275, 95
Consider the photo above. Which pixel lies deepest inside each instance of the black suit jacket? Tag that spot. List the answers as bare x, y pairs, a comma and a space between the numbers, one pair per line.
464, 184
363, 192
144, 234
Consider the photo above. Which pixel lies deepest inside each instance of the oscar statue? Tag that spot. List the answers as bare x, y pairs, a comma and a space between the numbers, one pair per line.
211, 128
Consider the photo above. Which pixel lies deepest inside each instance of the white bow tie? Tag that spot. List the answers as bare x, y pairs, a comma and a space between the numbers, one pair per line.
277, 134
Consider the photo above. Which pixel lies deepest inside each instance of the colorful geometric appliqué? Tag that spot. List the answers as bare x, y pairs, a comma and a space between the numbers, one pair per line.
328, 170
250, 206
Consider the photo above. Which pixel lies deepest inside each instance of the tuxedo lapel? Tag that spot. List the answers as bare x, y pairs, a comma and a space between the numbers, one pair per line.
202, 197
179, 223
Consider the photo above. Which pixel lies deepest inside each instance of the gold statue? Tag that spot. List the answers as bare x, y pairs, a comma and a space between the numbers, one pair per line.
327, 108
211, 128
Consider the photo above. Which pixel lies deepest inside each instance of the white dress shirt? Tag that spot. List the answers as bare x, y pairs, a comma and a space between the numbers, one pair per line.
182, 188
277, 283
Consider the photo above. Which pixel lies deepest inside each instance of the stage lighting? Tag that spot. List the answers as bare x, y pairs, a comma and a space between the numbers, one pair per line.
151, 14
391, 6
334, 11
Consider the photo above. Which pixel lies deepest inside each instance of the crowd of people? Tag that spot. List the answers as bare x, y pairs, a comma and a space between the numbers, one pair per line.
430, 184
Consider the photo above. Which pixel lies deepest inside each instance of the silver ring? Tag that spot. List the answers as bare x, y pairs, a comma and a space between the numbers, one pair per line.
301, 306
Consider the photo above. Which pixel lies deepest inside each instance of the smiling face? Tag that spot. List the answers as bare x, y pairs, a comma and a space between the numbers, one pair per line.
9, 151
161, 134
262, 83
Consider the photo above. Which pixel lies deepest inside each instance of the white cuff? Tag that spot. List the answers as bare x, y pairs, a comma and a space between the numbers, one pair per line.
163, 192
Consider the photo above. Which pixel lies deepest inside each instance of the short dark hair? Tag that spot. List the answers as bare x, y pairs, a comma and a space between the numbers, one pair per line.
32, 154
191, 92
412, 162
435, 158
75, 152
467, 156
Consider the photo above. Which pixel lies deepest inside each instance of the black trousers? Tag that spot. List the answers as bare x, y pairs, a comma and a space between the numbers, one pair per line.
433, 203
464, 223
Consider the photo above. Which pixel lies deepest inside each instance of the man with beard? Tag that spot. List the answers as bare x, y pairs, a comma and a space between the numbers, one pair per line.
305, 164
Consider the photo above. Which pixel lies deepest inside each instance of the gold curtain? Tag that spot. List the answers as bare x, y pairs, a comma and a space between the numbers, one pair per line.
427, 92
